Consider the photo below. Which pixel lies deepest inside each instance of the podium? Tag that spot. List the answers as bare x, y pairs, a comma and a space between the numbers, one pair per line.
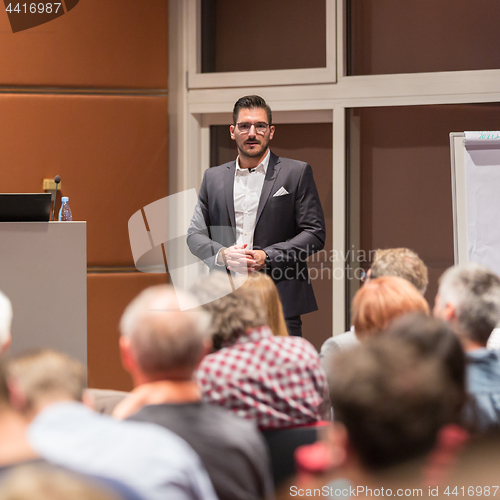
43, 270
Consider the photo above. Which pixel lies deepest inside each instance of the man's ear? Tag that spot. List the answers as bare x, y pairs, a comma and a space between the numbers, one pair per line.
449, 312
231, 132
6, 345
88, 399
208, 347
271, 132
126, 355
17, 396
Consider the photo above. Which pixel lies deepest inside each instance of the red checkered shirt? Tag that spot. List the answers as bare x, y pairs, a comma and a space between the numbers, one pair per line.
275, 381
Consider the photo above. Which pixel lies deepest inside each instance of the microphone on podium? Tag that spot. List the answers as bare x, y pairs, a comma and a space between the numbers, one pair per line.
57, 180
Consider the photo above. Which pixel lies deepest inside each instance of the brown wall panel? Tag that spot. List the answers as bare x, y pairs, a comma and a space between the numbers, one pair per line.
281, 35
111, 153
394, 36
406, 178
310, 142
98, 43
108, 295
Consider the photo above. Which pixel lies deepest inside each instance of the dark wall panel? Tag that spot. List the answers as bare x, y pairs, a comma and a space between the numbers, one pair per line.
111, 153
406, 178
272, 35
393, 36
98, 43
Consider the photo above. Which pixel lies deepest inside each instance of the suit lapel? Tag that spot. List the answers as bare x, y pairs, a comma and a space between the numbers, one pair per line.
272, 172
229, 191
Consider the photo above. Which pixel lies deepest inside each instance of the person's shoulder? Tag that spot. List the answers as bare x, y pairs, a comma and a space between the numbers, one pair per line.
230, 429
298, 344
218, 169
291, 163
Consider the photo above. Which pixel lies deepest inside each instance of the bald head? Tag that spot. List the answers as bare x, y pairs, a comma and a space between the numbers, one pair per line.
161, 337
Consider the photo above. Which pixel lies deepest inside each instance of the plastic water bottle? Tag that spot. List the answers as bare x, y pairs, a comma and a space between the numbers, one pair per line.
65, 212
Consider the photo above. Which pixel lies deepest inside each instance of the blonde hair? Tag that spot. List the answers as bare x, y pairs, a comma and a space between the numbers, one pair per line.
270, 299
46, 372
401, 262
381, 300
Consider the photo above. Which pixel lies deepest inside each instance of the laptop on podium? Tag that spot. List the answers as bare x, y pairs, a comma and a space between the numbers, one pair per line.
25, 207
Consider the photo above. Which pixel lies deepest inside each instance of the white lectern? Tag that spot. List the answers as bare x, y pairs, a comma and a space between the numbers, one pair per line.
43, 270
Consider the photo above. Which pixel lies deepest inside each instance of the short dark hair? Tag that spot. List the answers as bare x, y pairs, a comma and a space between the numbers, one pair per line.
252, 101
434, 338
392, 401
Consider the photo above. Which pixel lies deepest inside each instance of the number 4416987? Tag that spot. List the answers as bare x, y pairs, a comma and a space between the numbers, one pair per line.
33, 8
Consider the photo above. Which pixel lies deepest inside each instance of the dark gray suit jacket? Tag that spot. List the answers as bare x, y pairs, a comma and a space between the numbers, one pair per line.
288, 228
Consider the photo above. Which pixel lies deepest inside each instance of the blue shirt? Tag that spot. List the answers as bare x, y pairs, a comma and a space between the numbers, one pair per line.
152, 460
483, 384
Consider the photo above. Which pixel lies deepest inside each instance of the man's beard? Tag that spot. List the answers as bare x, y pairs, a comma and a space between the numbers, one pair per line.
256, 152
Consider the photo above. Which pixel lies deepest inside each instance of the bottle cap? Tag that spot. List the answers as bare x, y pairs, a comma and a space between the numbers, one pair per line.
65, 199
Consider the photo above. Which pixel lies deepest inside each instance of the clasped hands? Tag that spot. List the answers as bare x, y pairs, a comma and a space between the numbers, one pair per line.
240, 260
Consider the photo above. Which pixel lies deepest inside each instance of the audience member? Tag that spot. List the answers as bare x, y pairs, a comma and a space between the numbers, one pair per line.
5, 322
380, 301
468, 299
161, 346
433, 338
375, 305
275, 381
400, 262
390, 406
152, 460
270, 299
15, 449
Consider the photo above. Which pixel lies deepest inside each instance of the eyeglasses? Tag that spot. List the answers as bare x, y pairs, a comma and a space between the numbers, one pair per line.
245, 127
366, 276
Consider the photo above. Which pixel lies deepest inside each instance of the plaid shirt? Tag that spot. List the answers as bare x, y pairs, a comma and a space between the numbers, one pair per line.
274, 381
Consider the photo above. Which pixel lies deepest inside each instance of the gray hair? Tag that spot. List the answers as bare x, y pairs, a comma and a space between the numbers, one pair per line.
163, 337
5, 319
401, 262
474, 292
233, 312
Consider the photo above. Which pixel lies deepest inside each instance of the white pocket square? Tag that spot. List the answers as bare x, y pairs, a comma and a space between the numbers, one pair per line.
281, 192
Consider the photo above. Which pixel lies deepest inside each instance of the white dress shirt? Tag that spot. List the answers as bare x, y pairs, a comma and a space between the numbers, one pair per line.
247, 189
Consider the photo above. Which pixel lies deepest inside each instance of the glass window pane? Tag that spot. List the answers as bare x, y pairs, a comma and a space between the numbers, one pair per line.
310, 142
394, 36
239, 36
400, 174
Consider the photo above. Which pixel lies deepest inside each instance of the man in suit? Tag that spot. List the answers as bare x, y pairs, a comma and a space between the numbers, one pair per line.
261, 213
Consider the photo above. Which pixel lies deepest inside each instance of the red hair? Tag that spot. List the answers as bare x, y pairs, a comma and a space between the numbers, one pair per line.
381, 300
